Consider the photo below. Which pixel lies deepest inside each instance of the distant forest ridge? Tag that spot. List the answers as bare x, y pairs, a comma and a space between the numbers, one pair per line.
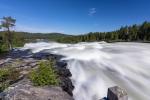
20, 38
28, 35
127, 33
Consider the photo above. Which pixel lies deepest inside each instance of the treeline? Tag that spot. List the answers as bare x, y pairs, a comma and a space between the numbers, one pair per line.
20, 38
126, 33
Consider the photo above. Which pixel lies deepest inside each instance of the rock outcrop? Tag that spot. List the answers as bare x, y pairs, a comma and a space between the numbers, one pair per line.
23, 88
65, 75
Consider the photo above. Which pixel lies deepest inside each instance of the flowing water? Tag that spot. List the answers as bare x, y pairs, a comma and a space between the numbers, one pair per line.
98, 65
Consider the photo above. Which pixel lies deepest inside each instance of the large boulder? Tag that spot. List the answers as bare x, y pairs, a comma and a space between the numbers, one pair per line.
25, 91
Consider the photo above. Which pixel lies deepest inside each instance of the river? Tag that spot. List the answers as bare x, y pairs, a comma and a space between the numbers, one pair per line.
96, 66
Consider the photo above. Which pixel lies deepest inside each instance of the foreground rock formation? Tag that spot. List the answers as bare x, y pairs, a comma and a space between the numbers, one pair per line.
23, 89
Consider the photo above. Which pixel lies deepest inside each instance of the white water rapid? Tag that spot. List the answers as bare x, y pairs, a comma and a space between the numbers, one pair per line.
97, 66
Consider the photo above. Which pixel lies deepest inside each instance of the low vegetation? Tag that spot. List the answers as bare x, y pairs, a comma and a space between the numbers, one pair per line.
7, 76
44, 74
41, 75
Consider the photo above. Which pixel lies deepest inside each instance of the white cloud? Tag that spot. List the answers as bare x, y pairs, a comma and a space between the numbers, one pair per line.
92, 11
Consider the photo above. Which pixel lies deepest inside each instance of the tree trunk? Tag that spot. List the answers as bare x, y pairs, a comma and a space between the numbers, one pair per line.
9, 39
10, 46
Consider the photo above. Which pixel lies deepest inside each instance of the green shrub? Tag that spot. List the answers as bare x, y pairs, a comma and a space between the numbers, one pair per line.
44, 74
8, 75
4, 73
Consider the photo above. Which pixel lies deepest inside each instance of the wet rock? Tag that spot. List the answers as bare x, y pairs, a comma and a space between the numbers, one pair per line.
56, 57
67, 85
17, 53
63, 72
61, 64
41, 55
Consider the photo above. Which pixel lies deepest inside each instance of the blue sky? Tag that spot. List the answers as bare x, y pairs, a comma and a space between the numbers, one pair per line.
75, 16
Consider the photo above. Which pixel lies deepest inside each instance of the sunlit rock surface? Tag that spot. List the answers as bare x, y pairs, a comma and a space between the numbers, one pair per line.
25, 91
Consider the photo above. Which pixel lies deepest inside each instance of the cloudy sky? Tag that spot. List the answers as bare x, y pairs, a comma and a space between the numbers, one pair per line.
75, 16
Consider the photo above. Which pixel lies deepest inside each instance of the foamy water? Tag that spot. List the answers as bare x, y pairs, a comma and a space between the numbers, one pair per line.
97, 66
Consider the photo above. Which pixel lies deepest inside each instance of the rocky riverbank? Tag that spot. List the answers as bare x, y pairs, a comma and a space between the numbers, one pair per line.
23, 89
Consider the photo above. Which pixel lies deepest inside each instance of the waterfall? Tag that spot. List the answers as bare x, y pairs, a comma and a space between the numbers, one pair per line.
95, 66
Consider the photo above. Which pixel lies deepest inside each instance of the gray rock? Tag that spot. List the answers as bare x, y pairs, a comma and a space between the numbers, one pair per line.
64, 74
17, 53
29, 92
8, 60
61, 64
41, 55
116, 93
23, 89
2, 62
33, 64
67, 85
